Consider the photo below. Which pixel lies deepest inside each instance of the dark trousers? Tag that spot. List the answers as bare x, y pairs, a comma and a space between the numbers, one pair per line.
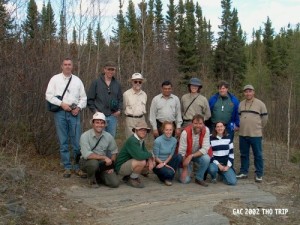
166, 173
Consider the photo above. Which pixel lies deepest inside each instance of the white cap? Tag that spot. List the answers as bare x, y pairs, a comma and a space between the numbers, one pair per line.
137, 76
98, 116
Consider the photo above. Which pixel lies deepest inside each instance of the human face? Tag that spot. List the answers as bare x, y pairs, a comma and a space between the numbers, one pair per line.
249, 94
223, 91
220, 128
197, 126
194, 89
137, 84
67, 67
168, 130
166, 90
141, 133
109, 71
98, 126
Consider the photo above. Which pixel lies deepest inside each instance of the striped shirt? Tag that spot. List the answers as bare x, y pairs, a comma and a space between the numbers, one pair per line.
222, 150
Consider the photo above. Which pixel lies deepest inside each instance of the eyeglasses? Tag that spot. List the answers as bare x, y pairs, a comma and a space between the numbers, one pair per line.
111, 69
137, 82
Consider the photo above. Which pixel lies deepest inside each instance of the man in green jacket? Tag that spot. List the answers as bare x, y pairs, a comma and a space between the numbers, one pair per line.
134, 157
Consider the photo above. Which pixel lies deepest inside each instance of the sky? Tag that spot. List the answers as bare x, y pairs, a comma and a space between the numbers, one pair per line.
252, 13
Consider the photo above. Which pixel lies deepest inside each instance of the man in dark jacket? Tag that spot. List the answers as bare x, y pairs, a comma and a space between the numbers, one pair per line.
105, 95
224, 107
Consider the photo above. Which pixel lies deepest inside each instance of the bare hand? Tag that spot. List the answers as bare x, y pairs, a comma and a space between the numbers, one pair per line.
108, 161
151, 164
225, 168
109, 171
184, 174
65, 107
155, 133
187, 161
221, 168
161, 165
75, 111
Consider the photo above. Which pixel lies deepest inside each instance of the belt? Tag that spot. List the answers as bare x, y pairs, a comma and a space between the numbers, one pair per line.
187, 120
134, 116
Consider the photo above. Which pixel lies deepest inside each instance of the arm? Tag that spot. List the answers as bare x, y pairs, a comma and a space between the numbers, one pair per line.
205, 145
82, 97
50, 93
178, 115
120, 98
152, 117
136, 151
91, 96
207, 114
231, 155
264, 115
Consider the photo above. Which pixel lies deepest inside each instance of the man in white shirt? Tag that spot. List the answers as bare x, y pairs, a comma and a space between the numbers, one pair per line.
67, 119
134, 102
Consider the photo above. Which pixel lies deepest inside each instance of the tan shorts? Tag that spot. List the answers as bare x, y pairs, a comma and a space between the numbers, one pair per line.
126, 168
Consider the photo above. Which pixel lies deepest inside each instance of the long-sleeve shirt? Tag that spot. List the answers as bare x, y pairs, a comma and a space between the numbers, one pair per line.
222, 150
103, 98
164, 147
75, 93
183, 143
199, 106
253, 118
107, 145
132, 149
134, 103
165, 109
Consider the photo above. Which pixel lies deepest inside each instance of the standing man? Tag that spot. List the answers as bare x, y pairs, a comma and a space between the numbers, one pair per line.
134, 101
134, 158
105, 95
224, 107
67, 119
194, 103
193, 146
99, 150
165, 107
254, 116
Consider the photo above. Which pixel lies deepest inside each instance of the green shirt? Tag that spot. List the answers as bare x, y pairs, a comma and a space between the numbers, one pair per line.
222, 110
132, 149
107, 145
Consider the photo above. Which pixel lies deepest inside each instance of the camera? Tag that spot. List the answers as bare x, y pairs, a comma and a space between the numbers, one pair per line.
73, 106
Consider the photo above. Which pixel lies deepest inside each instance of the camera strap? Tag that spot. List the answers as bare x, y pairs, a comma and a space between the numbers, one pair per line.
66, 88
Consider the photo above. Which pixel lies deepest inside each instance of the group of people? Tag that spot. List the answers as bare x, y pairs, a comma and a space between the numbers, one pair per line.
193, 135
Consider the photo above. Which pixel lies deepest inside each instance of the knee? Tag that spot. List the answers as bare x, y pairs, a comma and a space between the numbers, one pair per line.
231, 181
205, 159
139, 163
114, 184
213, 168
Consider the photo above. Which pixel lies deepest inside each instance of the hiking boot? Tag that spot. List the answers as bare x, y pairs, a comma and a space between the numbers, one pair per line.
258, 179
168, 183
67, 173
80, 173
93, 183
242, 176
136, 183
201, 182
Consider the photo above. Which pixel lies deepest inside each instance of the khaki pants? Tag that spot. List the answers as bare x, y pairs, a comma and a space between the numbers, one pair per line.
130, 123
91, 167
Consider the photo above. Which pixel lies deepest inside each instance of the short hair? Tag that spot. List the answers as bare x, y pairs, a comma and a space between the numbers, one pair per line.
166, 83
198, 117
214, 132
223, 83
164, 124
66, 59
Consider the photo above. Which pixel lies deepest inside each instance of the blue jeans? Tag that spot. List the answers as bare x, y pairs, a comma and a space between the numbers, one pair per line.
166, 173
68, 129
229, 176
256, 145
111, 125
203, 163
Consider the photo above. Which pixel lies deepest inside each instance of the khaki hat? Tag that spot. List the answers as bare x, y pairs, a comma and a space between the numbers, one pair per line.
141, 125
137, 76
98, 116
248, 86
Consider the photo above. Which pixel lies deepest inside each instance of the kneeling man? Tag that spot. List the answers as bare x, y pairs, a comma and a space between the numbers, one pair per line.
193, 146
134, 157
99, 150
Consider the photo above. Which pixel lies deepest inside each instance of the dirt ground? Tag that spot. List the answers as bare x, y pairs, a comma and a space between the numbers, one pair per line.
42, 193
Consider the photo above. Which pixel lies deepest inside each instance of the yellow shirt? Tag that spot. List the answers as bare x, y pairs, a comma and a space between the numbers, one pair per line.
134, 103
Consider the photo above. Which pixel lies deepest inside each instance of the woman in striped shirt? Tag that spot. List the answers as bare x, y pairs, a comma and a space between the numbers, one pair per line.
222, 159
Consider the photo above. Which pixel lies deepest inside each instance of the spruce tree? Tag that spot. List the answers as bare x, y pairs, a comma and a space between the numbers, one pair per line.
31, 24
171, 26
6, 23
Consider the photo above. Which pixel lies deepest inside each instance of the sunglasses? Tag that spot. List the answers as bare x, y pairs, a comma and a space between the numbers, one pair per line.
137, 82
111, 69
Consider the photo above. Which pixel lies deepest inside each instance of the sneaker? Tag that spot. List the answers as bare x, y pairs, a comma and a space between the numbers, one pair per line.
214, 181
168, 183
67, 173
241, 176
201, 182
80, 173
136, 183
258, 179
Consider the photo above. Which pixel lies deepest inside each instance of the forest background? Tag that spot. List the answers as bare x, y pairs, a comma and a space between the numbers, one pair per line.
177, 45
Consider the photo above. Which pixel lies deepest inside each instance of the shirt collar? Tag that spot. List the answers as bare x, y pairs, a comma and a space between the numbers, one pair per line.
161, 96
94, 134
65, 77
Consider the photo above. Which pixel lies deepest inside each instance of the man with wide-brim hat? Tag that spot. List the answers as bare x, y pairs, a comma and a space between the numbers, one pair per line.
134, 102
134, 158
99, 150
194, 103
